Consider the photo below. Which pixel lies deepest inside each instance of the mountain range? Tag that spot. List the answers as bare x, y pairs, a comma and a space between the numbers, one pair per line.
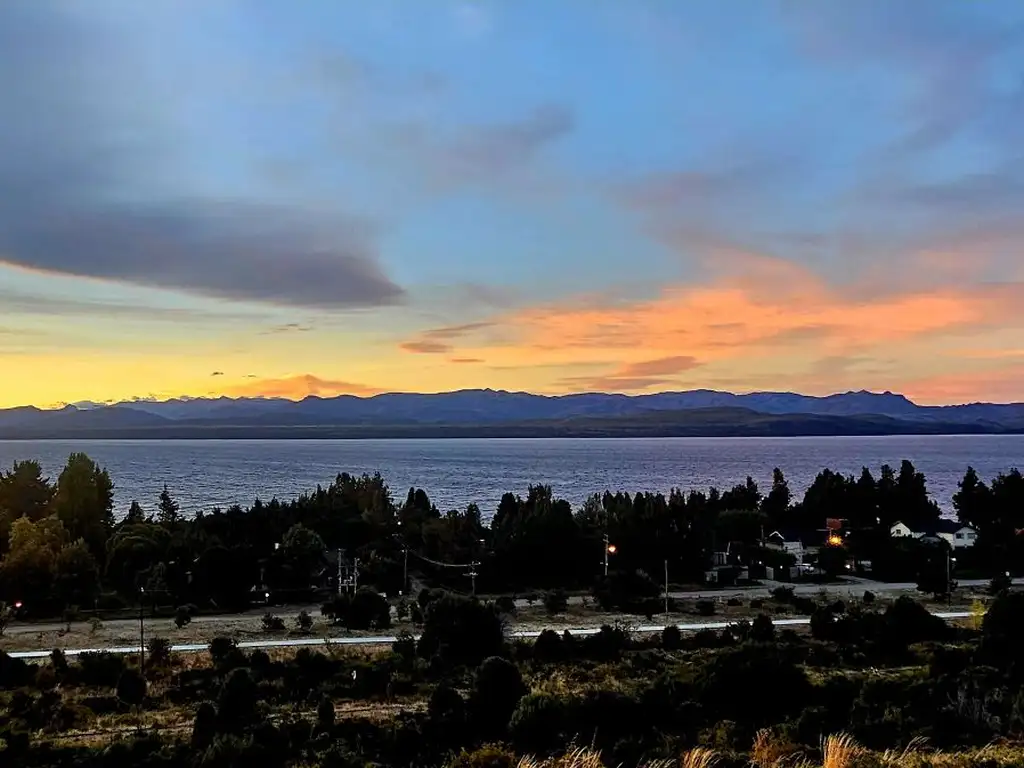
490, 413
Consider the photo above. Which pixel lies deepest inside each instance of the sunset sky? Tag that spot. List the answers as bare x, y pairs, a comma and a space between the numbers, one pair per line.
205, 197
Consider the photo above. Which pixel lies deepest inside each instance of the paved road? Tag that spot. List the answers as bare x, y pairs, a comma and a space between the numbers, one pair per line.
852, 587
307, 642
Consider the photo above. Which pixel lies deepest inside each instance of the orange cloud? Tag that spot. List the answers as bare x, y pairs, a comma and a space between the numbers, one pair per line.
998, 385
760, 318
298, 387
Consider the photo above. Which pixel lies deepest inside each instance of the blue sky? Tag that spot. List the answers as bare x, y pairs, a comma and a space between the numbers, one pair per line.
371, 176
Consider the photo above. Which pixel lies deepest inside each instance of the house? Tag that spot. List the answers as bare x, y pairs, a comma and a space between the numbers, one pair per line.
955, 534
788, 542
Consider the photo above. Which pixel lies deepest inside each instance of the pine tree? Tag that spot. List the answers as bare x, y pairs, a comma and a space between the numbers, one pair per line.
167, 511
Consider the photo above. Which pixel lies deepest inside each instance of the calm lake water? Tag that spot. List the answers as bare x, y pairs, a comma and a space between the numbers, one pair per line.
203, 474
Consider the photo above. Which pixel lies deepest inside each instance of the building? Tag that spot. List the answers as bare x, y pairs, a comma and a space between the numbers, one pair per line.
788, 542
954, 533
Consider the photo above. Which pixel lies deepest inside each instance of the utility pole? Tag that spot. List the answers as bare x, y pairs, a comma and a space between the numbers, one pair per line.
142, 631
666, 586
473, 575
606, 545
355, 575
339, 572
405, 570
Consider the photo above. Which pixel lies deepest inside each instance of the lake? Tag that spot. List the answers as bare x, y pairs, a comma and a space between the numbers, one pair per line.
203, 474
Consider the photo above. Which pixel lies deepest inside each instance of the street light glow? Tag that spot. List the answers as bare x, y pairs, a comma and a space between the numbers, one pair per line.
611, 549
835, 541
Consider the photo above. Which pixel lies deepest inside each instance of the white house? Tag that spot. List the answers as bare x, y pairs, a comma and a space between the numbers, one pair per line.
786, 542
957, 535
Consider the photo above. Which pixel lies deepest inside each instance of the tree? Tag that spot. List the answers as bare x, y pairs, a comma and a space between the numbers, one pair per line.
27, 572
973, 502
76, 574
934, 573
24, 492
776, 504
325, 715
135, 515
302, 550
461, 629
167, 513
84, 502
236, 706
182, 616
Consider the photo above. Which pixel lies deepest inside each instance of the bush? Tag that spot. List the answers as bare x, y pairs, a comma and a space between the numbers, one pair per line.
497, 688
783, 594
461, 629
556, 601
402, 608
506, 605
204, 727
671, 638
734, 602
762, 630
733, 670
304, 622
325, 715
236, 707
487, 756
131, 687
404, 646
95, 625
1000, 584
100, 669
182, 616
221, 650
908, 622
369, 610
869, 597
548, 646
756, 604
537, 723
158, 651
446, 705
705, 607
622, 589
1002, 629
273, 623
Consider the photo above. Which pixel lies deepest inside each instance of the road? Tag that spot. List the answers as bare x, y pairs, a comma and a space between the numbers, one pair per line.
852, 587
308, 642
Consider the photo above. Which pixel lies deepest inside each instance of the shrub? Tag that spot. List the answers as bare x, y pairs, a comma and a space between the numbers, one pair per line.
259, 660
402, 609
621, 589
537, 723
182, 617
59, 661
273, 623
131, 687
1000, 584
556, 601
733, 670
907, 622
608, 643
325, 714
461, 629
548, 646
95, 625
236, 707
756, 604
497, 688
506, 605
487, 756
783, 594
869, 597
671, 638
734, 602
304, 622
158, 651
1002, 629
705, 607
221, 649
446, 705
204, 727
368, 610
100, 669
404, 646
762, 630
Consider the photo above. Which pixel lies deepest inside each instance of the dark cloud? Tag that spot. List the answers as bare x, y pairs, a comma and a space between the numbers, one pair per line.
217, 373
436, 341
288, 328
426, 347
661, 367
465, 360
77, 194
21, 303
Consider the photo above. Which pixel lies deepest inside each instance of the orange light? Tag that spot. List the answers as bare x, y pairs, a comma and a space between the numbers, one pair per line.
835, 541
611, 549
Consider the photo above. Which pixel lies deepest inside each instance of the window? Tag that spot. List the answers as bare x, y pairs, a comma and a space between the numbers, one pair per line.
972, 536
960, 536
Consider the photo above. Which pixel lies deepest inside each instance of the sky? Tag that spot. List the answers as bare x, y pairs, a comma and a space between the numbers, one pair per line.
256, 198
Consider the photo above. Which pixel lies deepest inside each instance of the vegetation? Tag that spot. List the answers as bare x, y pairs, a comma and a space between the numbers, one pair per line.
63, 552
908, 689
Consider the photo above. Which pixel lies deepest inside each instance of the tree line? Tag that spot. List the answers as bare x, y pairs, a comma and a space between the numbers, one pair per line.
61, 546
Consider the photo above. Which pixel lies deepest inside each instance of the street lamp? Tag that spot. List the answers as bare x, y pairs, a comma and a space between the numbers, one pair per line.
950, 562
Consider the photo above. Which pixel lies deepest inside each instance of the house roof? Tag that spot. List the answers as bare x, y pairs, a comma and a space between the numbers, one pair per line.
942, 525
